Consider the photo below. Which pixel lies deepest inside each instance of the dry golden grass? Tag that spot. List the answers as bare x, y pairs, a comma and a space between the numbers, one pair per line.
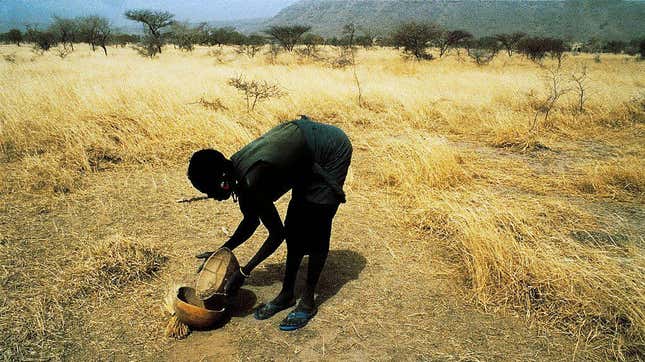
528, 224
611, 178
49, 290
434, 163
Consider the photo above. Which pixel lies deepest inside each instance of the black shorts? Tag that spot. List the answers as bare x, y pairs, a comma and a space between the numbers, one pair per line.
308, 226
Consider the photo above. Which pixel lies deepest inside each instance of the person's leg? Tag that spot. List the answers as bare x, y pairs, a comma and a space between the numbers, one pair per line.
317, 246
293, 231
316, 264
293, 223
294, 258
319, 234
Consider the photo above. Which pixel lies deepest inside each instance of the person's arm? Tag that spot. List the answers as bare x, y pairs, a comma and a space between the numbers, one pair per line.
245, 229
271, 220
260, 182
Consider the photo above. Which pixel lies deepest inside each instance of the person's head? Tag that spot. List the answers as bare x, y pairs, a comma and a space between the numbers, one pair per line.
211, 173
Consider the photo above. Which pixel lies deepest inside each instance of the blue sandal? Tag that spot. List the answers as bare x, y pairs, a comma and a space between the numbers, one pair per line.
268, 310
296, 320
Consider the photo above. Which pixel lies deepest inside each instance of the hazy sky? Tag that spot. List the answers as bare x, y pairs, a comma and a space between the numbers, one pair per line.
16, 13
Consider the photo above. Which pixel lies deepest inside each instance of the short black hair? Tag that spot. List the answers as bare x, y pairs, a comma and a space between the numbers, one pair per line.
205, 169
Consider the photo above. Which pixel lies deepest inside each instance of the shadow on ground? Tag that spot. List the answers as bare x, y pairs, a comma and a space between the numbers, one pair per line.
341, 267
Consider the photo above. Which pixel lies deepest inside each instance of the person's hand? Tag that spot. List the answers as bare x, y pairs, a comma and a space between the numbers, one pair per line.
234, 283
204, 256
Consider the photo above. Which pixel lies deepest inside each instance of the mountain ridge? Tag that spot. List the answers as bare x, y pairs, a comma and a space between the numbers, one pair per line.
571, 19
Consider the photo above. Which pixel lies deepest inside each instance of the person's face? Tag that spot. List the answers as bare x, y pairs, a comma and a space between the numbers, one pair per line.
220, 190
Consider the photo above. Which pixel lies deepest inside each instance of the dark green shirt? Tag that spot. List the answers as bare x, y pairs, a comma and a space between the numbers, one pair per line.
312, 157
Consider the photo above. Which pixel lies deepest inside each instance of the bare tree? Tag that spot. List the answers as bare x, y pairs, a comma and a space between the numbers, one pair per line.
183, 36
349, 31
287, 35
555, 84
66, 30
103, 33
580, 81
95, 30
153, 21
88, 30
255, 91
63, 51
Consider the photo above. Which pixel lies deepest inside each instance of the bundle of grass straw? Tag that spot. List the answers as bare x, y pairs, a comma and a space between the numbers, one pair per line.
175, 328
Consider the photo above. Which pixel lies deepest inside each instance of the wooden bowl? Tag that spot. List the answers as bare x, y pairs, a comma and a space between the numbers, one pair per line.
199, 314
215, 273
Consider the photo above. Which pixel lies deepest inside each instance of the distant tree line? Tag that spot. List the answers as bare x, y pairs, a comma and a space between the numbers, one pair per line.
418, 39
421, 41
65, 32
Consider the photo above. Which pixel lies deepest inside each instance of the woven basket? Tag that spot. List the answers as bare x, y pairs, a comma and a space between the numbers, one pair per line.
215, 273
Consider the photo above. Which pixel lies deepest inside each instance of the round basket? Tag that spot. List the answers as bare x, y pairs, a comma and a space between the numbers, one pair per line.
196, 313
215, 273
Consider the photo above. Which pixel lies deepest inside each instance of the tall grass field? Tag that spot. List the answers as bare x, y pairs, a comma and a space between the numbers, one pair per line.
523, 214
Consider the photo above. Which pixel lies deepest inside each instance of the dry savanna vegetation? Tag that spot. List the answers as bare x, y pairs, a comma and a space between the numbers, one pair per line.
492, 179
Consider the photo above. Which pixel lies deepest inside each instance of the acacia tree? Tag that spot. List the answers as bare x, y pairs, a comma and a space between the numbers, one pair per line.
123, 39
415, 38
483, 50
43, 40
14, 36
311, 43
615, 46
510, 42
537, 48
287, 35
153, 21
183, 36
66, 29
251, 45
533, 48
224, 36
555, 48
452, 39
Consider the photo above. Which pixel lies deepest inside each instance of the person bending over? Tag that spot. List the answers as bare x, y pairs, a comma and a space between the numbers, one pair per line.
307, 157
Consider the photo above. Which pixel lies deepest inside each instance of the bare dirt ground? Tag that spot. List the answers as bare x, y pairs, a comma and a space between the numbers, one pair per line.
385, 294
